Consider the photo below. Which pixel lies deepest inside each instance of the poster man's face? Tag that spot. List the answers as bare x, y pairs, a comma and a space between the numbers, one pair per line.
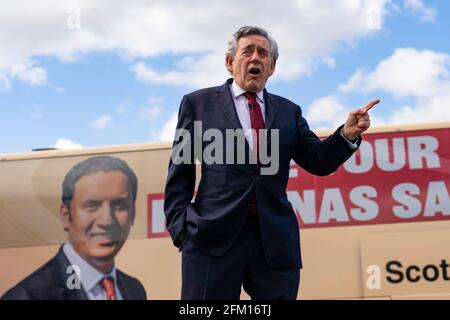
252, 63
100, 216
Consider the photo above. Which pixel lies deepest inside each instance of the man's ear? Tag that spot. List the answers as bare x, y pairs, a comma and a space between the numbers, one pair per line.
272, 67
229, 64
64, 215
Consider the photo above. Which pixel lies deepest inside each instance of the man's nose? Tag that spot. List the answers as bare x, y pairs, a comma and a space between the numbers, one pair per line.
255, 56
106, 214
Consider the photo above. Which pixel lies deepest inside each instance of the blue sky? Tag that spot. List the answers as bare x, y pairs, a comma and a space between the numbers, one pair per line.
96, 73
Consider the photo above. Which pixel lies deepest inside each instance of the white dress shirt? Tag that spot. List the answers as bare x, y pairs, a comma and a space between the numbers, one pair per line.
90, 277
241, 105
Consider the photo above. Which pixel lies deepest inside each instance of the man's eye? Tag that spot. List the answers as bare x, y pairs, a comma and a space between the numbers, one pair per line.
92, 205
121, 207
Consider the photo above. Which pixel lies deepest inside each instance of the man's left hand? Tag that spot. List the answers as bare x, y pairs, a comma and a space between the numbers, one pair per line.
358, 121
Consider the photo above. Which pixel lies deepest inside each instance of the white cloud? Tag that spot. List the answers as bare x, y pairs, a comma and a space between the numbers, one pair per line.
5, 83
154, 111
65, 144
427, 14
101, 122
329, 61
35, 76
422, 76
326, 112
407, 72
347, 21
330, 112
168, 131
207, 71
142, 29
356, 82
435, 109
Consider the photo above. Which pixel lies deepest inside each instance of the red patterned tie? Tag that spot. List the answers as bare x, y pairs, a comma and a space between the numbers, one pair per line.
110, 290
257, 123
256, 120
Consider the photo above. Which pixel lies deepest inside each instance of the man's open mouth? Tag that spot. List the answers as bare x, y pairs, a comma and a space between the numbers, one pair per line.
254, 71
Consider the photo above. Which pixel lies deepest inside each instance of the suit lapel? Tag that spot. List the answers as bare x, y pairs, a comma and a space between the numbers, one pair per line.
61, 289
271, 109
74, 294
226, 104
126, 294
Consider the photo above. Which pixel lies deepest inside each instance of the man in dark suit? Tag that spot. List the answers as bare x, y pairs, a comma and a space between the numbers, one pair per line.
97, 211
241, 229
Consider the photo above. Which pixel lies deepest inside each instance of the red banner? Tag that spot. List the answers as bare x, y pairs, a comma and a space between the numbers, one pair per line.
392, 178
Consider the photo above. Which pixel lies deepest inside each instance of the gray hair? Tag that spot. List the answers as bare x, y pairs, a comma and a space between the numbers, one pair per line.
247, 31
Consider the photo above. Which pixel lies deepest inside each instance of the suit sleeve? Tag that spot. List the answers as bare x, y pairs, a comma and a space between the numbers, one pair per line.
17, 293
180, 182
320, 157
142, 293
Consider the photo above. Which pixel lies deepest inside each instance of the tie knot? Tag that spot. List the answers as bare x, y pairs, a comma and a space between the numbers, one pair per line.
108, 285
251, 96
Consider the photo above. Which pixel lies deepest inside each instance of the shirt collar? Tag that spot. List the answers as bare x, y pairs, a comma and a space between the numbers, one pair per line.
89, 276
238, 91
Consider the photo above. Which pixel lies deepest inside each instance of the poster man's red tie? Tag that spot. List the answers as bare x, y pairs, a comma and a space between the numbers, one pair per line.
108, 285
257, 123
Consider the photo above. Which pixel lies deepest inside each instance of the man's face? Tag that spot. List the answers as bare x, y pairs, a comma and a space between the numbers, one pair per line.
252, 64
100, 216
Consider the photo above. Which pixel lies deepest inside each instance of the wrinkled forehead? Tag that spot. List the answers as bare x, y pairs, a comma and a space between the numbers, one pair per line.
254, 41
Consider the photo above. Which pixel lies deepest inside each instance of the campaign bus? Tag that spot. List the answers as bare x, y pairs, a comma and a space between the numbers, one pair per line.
377, 228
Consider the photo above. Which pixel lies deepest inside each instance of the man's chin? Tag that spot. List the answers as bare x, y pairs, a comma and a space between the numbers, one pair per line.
253, 86
105, 251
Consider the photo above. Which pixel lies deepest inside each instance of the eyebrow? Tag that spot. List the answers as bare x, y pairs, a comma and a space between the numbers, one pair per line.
120, 201
91, 202
114, 201
251, 46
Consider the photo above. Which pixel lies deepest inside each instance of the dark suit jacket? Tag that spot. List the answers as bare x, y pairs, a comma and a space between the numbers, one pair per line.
49, 283
213, 222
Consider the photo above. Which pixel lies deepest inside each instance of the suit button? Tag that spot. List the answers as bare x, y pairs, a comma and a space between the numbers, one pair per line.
257, 177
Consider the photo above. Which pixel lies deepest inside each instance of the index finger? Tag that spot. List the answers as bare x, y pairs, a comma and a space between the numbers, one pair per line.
370, 105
